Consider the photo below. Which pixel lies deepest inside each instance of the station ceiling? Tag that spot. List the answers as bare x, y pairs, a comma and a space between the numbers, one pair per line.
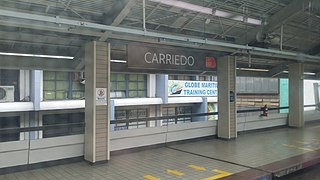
38, 27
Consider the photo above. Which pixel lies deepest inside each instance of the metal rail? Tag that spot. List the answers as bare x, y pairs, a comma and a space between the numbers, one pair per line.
82, 124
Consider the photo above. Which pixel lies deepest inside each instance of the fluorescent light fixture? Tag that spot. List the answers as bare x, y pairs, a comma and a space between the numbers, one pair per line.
222, 14
253, 69
36, 55
185, 5
254, 21
206, 10
305, 73
237, 18
118, 61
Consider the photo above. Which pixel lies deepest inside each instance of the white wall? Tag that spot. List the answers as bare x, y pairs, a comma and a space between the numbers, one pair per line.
17, 153
309, 94
157, 135
13, 153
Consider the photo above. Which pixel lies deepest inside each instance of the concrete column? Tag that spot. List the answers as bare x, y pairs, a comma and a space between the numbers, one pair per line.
227, 118
97, 116
296, 105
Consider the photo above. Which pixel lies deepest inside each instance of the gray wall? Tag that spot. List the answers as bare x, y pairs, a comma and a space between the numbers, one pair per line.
257, 85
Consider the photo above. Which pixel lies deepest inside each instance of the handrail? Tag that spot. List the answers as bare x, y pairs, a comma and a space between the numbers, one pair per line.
191, 115
82, 124
40, 128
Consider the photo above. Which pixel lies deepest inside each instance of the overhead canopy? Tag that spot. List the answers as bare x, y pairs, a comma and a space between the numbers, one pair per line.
62, 27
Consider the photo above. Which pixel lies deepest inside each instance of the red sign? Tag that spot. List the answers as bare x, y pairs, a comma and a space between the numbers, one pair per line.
211, 62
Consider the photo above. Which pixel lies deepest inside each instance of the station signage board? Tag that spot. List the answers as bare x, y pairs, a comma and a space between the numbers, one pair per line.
192, 88
148, 56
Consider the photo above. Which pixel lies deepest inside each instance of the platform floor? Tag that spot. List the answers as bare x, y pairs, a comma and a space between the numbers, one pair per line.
201, 160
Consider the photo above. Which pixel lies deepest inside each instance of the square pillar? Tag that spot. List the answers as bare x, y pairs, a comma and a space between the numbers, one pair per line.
227, 118
97, 96
296, 103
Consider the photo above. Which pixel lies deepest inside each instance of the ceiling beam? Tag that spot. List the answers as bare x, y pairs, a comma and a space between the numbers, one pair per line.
183, 39
314, 51
35, 63
32, 37
275, 21
252, 74
277, 70
123, 7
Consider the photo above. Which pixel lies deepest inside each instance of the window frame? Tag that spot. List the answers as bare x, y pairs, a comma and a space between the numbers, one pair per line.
69, 91
127, 91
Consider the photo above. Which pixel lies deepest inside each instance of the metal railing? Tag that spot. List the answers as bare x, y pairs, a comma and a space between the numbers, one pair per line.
40, 128
114, 122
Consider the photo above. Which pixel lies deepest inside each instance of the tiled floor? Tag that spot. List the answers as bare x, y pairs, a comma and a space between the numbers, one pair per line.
196, 160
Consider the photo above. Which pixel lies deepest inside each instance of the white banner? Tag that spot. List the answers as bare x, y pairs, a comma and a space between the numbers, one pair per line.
192, 88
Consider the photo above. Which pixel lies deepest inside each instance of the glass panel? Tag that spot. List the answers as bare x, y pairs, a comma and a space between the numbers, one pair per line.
77, 86
77, 94
142, 94
62, 85
121, 94
121, 86
61, 95
49, 85
49, 95
133, 77
133, 86
132, 93
121, 77
141, 86
48, 75
113, 77
120, 114
113, 86
141, 77
62, 75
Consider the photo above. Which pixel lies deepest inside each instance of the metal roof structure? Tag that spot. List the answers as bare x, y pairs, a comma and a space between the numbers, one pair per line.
267, 34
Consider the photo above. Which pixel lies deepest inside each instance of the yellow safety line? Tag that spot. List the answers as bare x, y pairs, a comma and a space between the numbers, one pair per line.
288, 145
303, 142
218, 176
305, 149
175, 172
199, 168
149, 177
222, 172
314, 127
297, 147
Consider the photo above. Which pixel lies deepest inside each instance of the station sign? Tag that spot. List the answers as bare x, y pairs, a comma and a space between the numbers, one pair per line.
192, 88
170, 58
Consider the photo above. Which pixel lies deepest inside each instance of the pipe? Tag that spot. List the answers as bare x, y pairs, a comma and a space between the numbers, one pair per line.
266, 52
144, 15
281, 37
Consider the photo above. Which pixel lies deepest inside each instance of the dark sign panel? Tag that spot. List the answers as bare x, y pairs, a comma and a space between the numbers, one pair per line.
170, 58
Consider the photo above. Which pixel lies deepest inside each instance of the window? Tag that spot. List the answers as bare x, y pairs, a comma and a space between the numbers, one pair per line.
173, 111
56, 119
124, 114
128, 85
77, 88
62, 85
182, 77
212, 107
11, 78
9, 122
118, 85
